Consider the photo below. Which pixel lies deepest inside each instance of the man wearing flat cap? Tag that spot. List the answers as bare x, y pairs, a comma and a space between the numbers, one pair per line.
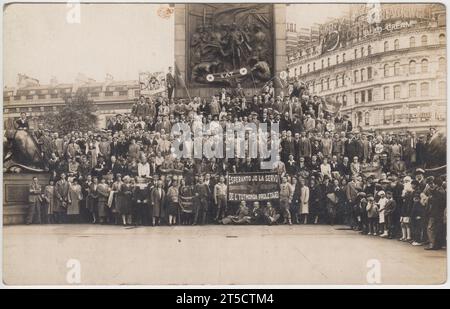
420, 179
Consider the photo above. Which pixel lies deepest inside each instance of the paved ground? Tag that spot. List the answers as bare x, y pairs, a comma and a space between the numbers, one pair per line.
212, 255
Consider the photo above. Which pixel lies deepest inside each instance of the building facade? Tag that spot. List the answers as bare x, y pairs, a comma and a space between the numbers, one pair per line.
388, 78
110, 98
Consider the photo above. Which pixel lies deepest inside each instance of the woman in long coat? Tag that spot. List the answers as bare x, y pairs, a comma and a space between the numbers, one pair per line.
334, 195
315, 198
103, 194
73, 206
124, 200
304, 200
115, 189
157, 198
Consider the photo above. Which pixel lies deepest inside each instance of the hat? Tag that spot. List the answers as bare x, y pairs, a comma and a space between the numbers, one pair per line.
381, 192
420, 171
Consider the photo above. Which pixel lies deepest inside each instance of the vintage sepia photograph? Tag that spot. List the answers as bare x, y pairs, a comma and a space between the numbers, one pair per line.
244, 144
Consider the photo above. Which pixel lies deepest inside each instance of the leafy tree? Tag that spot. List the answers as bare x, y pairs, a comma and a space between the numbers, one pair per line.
78, 113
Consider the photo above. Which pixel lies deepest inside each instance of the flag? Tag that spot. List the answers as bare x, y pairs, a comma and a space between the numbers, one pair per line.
109, 77
374, 171
82, 79
26, 81
331, 106
179, 77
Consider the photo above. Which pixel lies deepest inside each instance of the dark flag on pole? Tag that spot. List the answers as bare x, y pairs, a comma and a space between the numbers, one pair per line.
180, 82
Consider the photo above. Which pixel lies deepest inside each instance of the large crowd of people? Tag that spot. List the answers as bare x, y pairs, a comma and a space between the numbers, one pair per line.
330, 172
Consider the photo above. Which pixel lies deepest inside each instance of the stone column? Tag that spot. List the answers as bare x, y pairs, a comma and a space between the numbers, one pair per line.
180, 48
279, 19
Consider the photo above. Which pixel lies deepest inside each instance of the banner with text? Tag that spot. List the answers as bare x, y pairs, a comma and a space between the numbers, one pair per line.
253, 187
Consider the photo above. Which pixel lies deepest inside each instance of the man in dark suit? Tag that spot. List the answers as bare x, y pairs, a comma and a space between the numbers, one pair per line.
436, 213
297, 125
201, 200
247, 166
348, 126
62, 196
291, 165
351, 146
114, 147
170, 82
154, 169
115, 167
22, 122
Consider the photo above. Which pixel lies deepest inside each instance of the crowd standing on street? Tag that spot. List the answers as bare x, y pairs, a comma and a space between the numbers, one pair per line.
330, 172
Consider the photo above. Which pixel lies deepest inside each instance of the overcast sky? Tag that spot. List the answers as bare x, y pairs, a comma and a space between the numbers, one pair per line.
305, 15
110, 38
120, 39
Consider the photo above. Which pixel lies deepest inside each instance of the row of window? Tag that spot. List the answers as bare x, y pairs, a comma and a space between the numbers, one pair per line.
339, 79
412, 67
398, 115
40, 92
412, 42
412, 90
60, 95
364, 74
363, 96
43, 92
361, 75
366, 95
361, 52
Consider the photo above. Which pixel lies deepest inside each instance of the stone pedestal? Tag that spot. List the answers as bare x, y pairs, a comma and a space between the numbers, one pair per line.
279, 19
182, 50
15, 195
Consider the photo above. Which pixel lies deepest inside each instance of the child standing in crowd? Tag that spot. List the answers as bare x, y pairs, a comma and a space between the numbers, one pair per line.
389, 210
382, 216
406, 208
372, 216
418, 220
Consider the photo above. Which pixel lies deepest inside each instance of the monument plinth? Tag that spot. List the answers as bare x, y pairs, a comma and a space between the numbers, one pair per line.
220, 45
15, 195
